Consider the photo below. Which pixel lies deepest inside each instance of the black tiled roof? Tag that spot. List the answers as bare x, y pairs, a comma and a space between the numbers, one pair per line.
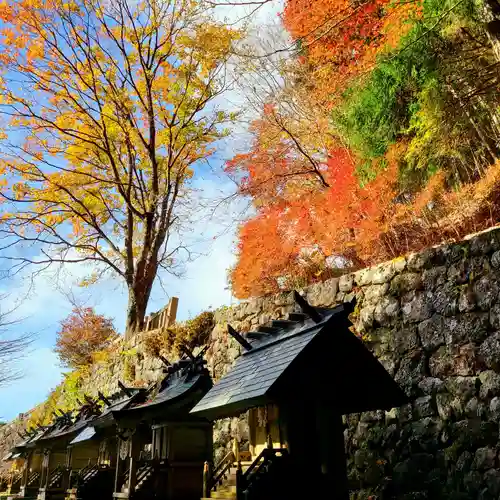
273, 366
30, 439
118, 403
180, 384
185, 384
255, 372
70, 423
40, 433
86, 434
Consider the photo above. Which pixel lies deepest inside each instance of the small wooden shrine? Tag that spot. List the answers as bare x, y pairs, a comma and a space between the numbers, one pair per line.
57, 453
297, 378
33, 458
11, 483
93, 451
136, 443
162, 447
64, 460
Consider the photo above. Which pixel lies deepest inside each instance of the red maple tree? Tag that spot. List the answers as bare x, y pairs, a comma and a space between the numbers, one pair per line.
302, 232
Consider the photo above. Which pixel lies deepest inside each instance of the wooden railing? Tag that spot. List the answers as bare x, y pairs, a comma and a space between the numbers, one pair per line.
90, 472
93, 481
76, 476
214, 478
33, 478
16, 484
55, 477
163, 318
261, 467
143, 474
124, 479
80, 477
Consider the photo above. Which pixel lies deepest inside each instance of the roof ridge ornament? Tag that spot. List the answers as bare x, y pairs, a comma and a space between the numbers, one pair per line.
124, 389
307, 308
103, 398
239, 338
187, 351
164, 360
89, 400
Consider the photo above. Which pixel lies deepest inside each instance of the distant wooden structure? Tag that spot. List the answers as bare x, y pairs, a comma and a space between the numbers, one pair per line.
296, 378
159, 320
163, 318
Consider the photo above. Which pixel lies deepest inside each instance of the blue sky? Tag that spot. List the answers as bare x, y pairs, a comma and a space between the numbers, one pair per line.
203, 286
41, 304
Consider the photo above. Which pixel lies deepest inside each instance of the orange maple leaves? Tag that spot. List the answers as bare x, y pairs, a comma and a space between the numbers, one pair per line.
81, 335
340, 39
298, 231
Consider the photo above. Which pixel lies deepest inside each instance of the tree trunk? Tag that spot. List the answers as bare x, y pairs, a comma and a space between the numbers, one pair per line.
138, 298
489, 145
491, 20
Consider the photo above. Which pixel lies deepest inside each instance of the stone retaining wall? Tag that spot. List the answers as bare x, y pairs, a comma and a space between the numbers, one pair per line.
433, 320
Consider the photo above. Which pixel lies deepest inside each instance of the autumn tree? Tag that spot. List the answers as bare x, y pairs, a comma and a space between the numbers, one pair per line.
81, 334
378, 136
303, 233
109, 107
340, 39
292, 134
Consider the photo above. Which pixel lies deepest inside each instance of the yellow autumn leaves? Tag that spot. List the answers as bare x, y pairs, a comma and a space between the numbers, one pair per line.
108, 109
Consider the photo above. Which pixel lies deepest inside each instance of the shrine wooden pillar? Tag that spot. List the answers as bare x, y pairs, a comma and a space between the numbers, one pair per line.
332, 456
133, 457
299, 429
44, 475
69, 456
66, 478
47, 480
119, 464
26, 472
47, 473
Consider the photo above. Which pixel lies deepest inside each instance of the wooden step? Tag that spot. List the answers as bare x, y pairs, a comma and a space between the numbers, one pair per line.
227, 490
246, 463
231, 494
229, 497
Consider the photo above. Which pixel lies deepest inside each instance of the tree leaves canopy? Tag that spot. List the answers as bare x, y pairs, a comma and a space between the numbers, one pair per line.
108, 108
82, 334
